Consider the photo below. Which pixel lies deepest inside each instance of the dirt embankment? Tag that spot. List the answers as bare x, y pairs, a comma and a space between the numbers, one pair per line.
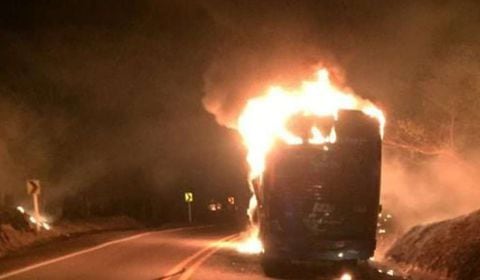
449, 248
18, 236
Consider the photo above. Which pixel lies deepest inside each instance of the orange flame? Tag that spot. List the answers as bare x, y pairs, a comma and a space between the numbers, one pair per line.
264, 121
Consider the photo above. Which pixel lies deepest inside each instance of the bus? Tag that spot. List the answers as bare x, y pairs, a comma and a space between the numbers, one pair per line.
320, 202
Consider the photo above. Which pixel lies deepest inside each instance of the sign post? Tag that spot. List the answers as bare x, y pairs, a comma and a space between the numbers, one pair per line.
33, 188
189, 200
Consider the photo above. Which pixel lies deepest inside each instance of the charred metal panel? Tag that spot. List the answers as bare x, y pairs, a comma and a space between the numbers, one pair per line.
317, 193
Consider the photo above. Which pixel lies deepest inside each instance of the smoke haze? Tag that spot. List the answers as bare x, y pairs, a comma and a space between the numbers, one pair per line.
434, 190
419, 60
110, 96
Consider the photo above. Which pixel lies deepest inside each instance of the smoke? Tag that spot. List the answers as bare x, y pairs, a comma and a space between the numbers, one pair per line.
259, 46
92, 94
387, 51
24, 147
418, 60
103, 100
437, 189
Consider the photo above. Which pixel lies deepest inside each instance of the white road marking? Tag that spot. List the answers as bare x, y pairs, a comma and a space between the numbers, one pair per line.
98, 247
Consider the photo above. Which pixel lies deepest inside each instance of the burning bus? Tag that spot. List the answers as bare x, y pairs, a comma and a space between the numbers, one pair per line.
320, 202
314, 155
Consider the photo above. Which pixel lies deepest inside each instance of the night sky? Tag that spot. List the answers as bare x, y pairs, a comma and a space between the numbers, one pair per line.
113, 95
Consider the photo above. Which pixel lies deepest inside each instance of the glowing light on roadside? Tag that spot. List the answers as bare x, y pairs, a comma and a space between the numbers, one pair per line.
32, 220
21, 209
346, 276
43, 222
390, 272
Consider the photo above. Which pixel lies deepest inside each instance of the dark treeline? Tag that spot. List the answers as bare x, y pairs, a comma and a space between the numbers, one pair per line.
101, 102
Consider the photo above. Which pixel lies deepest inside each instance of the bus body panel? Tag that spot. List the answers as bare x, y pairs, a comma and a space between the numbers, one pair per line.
321, 202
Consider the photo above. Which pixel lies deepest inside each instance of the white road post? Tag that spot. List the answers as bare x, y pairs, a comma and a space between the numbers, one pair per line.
33, 188
37, 211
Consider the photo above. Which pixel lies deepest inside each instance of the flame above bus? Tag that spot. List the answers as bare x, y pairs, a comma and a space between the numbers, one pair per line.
265, 119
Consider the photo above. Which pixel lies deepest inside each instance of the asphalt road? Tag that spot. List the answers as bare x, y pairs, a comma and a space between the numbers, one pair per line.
192, 253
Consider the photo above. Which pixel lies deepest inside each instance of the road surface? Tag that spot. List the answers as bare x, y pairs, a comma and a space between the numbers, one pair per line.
188, 253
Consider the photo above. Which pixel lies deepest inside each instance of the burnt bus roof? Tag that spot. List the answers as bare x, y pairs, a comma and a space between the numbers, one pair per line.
350, 126
358, 137
354, 124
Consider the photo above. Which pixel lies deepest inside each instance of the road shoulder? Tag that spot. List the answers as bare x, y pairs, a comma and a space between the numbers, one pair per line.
59, 248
